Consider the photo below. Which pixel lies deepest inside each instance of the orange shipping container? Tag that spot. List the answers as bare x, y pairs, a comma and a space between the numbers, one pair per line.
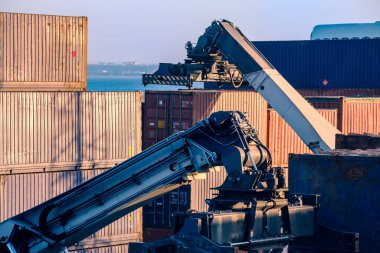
282, 140
360, 115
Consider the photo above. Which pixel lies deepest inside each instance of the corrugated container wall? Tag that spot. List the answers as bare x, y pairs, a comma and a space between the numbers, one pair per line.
325, 64
21, 192
355, 115
360, 115
283, 140
73, 129
348, 184
168, 112
42, 52
165, 113
52, 141
249, 102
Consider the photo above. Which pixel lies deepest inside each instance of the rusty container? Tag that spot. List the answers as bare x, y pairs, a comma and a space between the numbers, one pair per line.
42, 52
283, 140
348, 182
360, 115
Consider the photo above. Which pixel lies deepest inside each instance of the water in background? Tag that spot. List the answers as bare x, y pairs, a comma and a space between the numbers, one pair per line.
127, 83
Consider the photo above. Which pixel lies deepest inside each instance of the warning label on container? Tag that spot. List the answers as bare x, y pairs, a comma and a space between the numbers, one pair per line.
161, 124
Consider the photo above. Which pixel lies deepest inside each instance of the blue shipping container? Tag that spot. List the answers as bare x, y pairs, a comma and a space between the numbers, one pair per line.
324, 64
349, 185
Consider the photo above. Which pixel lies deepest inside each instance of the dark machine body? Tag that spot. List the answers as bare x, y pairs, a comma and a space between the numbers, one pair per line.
252, 211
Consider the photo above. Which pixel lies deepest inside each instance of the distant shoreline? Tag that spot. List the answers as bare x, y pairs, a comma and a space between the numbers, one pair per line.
116, 76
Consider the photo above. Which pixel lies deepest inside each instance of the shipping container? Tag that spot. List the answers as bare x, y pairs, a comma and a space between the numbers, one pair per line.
348, 182
21, 192
360, 115
355, 114
51, 142
42, 52
325, 64
167, 112
48, 130
159, 213
282, 140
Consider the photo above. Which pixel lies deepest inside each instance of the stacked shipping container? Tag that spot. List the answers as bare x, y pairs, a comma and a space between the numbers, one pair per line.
42, 52
170, 112
326, 64
50, 142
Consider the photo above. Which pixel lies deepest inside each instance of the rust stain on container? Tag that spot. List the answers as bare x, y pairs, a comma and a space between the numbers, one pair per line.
42, 52
283, 140
54, 128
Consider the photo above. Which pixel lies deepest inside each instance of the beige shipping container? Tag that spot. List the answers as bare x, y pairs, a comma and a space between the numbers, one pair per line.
42, 52
41, 131
21, 192
51, 142
282, 140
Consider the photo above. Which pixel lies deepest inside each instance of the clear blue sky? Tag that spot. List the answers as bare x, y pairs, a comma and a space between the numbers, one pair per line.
152, 31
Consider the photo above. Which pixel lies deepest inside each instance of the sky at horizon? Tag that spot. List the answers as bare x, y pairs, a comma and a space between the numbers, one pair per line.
152, 31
